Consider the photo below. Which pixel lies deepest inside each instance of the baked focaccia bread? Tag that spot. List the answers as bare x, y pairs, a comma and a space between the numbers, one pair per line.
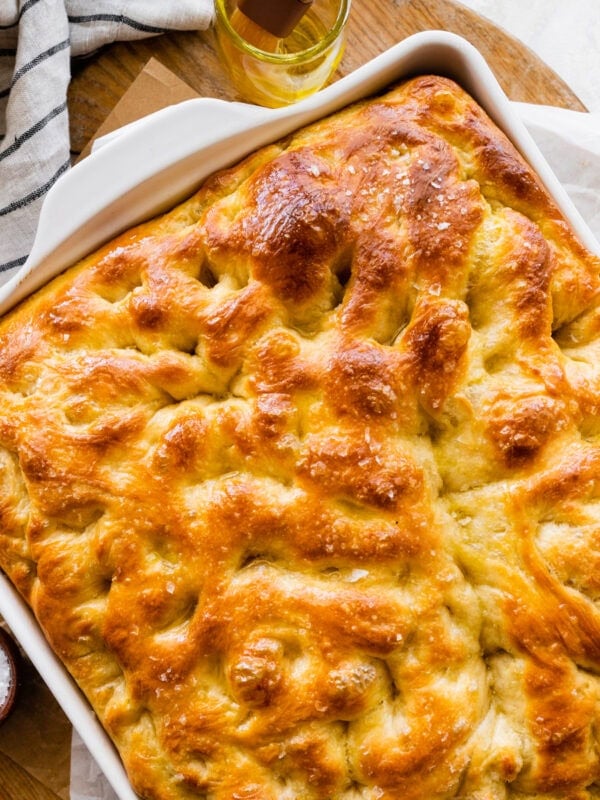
302, 479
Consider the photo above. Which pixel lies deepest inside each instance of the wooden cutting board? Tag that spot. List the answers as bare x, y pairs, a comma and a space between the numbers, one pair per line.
374, 25
100, 80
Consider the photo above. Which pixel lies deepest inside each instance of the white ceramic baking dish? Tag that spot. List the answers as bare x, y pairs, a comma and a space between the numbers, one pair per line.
161, 159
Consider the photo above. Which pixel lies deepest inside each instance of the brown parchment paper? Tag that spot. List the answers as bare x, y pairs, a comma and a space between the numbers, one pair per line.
154, 88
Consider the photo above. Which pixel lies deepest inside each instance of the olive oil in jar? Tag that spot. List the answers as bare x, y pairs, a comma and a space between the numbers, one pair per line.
298, 65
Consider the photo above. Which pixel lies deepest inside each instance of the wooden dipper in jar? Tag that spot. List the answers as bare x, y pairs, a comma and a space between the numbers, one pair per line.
264, 23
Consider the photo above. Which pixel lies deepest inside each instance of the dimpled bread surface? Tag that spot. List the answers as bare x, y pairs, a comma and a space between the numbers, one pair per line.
302, 479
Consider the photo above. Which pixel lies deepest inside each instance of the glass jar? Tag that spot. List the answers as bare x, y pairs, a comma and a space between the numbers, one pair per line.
302, 62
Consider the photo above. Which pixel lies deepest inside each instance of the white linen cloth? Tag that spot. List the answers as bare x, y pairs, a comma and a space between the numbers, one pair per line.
564, 34
37, 40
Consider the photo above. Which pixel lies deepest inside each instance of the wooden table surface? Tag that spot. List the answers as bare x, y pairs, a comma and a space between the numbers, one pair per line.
100, 80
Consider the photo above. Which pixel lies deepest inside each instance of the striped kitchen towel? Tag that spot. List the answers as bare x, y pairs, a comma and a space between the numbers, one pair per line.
37, 40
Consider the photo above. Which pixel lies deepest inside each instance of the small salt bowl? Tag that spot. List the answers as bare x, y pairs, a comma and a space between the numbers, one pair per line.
9, 674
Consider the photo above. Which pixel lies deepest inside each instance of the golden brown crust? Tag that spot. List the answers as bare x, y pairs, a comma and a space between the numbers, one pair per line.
302, 479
